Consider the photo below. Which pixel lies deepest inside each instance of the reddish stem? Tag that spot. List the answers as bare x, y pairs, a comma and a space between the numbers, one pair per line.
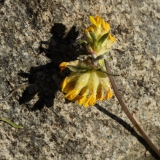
125, 109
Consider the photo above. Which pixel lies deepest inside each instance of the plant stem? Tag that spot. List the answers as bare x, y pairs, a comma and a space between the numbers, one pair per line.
125, 109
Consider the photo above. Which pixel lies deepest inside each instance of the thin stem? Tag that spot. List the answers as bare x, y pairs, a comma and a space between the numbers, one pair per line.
11, 123
125, 109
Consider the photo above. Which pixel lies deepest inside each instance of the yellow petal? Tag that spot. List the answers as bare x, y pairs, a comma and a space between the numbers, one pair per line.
109, 94
69, 87
103, 23
93, 81
91, 100
72, 94
99, 93
63, 85
63, 65
84, 91
82, 95
89, 29
86, 30
82, 80
81, 100
105, 83
98, 20
111, 38
92, 20
107, 27
69, 82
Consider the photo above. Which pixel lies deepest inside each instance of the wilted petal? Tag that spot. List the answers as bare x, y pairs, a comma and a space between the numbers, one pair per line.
63, 65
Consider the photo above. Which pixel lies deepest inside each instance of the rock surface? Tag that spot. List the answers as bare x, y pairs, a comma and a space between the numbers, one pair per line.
35, 37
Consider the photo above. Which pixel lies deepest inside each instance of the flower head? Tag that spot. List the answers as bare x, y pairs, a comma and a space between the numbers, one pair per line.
87, 87
98, 24
98, 37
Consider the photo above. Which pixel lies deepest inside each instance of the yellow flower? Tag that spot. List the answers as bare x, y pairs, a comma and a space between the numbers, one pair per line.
100, 23
88, 81
98, 37
86, 88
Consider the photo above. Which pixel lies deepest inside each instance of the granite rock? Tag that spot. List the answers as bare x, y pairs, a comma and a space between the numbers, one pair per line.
35, 37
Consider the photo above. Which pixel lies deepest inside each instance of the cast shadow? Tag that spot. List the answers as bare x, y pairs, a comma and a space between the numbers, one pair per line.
129, 128
2, 1
1, 4
45, 80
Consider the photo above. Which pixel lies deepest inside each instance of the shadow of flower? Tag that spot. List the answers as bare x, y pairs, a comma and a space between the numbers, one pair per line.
2, 1
46, 79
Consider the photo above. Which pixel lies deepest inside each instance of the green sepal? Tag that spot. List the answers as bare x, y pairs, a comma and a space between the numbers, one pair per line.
102, 39
11, 123
84, 68
77, 68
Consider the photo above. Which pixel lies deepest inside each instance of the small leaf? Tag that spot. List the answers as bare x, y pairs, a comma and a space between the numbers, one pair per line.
83, 42
102, 39
93, 36
11, 123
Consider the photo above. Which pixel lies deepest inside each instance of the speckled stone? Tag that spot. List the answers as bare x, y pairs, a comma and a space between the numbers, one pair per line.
35, 37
